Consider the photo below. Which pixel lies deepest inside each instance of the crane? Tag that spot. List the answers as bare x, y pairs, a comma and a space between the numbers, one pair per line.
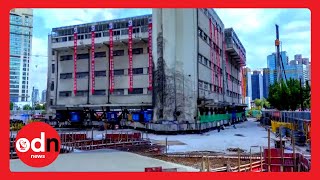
278, 59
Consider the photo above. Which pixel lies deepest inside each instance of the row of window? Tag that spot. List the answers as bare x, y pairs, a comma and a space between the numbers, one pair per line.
209, 87
208, 40
233, 94
234, 79
101, 92
205, 61
100, 54
101, 34
116, 72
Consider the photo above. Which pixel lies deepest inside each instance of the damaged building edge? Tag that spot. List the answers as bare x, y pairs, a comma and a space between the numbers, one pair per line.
183, 87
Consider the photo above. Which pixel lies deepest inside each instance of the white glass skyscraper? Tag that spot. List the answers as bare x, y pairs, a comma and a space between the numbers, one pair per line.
21, 26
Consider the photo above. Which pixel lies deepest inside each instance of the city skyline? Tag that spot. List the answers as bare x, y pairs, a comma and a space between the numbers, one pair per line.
293, 31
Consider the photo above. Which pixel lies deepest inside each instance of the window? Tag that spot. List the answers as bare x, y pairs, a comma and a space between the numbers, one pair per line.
200, 32
53, 53
82, 75
116, 33
137, 51
206, 61
118, 53
118, 92
66, 76
205, 85
118, 72
100, 73
205, 37
51, 102
136, 30
15, 86
52, 86
52, 68
83, 56
136, 91
200, 84
70, 38
66, 57
99, 92
200, 58
82, 93
137, 71
65, 93
99, 54
97, 35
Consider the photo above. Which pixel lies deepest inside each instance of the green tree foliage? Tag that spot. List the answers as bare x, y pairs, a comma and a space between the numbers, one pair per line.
11, 105
27, 107
40, 107
260, 103
286, 96
266, 103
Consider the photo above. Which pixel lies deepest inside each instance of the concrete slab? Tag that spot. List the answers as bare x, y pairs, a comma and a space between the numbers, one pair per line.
99, 161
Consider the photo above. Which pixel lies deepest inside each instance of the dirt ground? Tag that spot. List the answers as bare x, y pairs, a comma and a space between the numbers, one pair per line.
157, 152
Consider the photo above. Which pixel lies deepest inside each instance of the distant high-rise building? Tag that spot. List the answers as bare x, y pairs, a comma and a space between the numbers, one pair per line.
248, 83
300, 60
257, 85
266, 82
271, 60
305, 61
35, 95
20, 51
43, 96
296, 69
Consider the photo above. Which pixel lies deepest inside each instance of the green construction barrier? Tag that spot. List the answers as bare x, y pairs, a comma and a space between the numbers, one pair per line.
217, 117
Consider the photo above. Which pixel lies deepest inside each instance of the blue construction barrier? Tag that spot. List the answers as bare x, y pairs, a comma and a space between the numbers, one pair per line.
112, 116
75, 117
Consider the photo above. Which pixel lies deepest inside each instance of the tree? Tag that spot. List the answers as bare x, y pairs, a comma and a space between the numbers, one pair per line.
11, 105
43, 107
27, 107
258, 103
38, 107
266, 104
286, 96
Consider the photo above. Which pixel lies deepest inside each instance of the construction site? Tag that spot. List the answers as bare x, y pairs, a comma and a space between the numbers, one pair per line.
254, 146
163, 92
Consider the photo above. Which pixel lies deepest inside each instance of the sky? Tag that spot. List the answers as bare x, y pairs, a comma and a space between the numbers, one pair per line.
255, 29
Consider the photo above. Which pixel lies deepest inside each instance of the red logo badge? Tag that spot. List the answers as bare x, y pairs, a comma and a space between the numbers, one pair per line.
37, 144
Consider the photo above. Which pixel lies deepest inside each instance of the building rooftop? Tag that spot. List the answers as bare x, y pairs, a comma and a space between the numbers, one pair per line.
121, 23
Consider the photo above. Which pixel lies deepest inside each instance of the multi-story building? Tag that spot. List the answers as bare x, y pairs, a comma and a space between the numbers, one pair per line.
257, 85
43, 96
266, 82
248, 82
188, 60
271, 60
35, 95
21, 21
